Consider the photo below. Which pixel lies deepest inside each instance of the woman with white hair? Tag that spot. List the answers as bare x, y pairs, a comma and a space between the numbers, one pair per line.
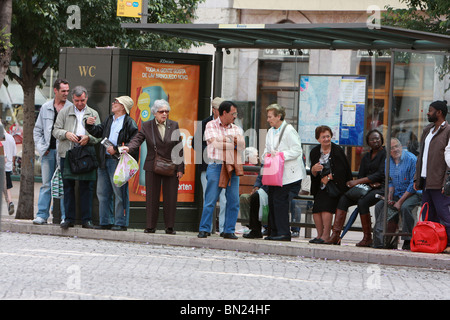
162, 135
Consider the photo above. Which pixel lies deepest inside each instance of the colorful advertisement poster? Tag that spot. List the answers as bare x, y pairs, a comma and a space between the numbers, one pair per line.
179, 85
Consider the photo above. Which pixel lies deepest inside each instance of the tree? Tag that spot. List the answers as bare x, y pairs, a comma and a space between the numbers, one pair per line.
41, 27
5, 43
423, 15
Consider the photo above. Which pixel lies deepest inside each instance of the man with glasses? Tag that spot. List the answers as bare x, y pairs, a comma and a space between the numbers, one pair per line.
402, 196
221, 135
118, 128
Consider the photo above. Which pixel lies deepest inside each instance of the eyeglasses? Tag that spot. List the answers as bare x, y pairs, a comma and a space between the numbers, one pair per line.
163, 111
115, 101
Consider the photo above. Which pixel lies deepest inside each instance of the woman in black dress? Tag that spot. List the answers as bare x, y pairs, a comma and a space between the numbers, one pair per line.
330, 171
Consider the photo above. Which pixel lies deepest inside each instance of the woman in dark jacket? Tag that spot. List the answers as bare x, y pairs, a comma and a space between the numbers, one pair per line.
330, 172
119, 128
162, 137
371, 173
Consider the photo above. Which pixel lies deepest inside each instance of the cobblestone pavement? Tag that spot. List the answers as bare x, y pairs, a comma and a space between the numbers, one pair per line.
48, 267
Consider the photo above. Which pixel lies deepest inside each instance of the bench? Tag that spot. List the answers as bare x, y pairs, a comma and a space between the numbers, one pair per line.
246, 183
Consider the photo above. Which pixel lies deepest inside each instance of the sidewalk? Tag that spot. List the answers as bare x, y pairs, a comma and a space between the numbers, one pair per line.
299, 247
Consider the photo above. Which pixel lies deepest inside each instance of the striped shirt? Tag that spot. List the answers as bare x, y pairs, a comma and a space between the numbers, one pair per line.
402, 174
215, 129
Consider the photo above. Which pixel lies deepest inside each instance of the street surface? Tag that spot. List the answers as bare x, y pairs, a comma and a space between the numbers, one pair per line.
49, 267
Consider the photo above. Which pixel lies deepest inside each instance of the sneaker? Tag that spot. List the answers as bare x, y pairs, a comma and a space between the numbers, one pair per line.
11, 208
39, 221
295, 234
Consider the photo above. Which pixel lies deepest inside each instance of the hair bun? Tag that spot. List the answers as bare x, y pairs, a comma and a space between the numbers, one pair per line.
445, 101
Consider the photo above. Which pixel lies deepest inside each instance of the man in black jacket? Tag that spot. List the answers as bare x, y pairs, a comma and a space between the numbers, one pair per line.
118, 128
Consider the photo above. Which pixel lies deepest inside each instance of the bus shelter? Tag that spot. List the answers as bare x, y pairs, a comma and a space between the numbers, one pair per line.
417, 62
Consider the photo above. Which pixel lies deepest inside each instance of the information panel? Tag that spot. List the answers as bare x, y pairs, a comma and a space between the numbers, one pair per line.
338, 101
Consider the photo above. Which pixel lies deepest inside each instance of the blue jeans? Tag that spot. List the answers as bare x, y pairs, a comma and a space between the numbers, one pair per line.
222, 201
86, 190
106, 191
48, 167
212, 194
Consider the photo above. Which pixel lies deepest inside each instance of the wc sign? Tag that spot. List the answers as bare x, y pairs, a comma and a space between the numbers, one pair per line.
129, 8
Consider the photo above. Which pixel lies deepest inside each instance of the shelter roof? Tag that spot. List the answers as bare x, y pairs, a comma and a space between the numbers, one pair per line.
301, 36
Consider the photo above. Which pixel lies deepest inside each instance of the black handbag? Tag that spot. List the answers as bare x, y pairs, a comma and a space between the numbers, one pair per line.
358, 191
82, 159
332, 189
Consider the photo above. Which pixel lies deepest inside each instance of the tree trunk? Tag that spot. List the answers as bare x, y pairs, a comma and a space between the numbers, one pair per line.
25, 209
5, 21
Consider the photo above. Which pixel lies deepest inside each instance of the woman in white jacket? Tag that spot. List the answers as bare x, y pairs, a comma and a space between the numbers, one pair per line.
294, 171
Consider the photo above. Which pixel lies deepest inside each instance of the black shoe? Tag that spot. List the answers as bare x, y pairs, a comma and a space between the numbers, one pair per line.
149, 230
203, 234
119, 228
103, 227
317, 240
170, 231
230, 236
406, 245
88, 225
253, 235
281, 238
66, 225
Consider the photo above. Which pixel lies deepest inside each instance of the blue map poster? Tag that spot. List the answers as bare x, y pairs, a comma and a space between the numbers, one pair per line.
338, 101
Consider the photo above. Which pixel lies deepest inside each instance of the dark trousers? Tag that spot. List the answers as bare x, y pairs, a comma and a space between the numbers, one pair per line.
255, 224
86, 191
439, 208
280, 199
153, 190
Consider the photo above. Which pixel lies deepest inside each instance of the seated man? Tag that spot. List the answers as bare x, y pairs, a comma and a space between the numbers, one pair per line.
402, 196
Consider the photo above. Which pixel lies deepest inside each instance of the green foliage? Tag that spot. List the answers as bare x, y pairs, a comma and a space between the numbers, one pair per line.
40, 28
424, 15
5, 42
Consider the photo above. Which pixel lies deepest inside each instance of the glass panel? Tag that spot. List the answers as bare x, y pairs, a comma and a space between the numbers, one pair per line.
420, 78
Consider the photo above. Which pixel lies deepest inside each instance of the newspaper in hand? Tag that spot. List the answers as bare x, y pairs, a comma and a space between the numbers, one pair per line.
106, 143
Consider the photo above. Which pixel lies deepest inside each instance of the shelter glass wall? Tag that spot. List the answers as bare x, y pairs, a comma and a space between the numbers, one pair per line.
418, 79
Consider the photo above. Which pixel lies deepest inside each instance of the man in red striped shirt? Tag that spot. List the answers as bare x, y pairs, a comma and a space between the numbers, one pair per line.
221, 134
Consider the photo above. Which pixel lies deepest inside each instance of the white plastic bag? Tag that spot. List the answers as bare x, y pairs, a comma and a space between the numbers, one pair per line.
57, 186
125, 170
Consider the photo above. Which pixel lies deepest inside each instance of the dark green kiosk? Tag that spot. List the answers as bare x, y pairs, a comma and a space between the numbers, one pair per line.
108, 73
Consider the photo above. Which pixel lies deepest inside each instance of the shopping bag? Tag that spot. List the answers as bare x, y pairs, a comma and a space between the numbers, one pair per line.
57, 186
126, 169
272, 174
428, 236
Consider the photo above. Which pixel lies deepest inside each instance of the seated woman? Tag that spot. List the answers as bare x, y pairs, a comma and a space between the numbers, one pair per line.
371, 172
329, 169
